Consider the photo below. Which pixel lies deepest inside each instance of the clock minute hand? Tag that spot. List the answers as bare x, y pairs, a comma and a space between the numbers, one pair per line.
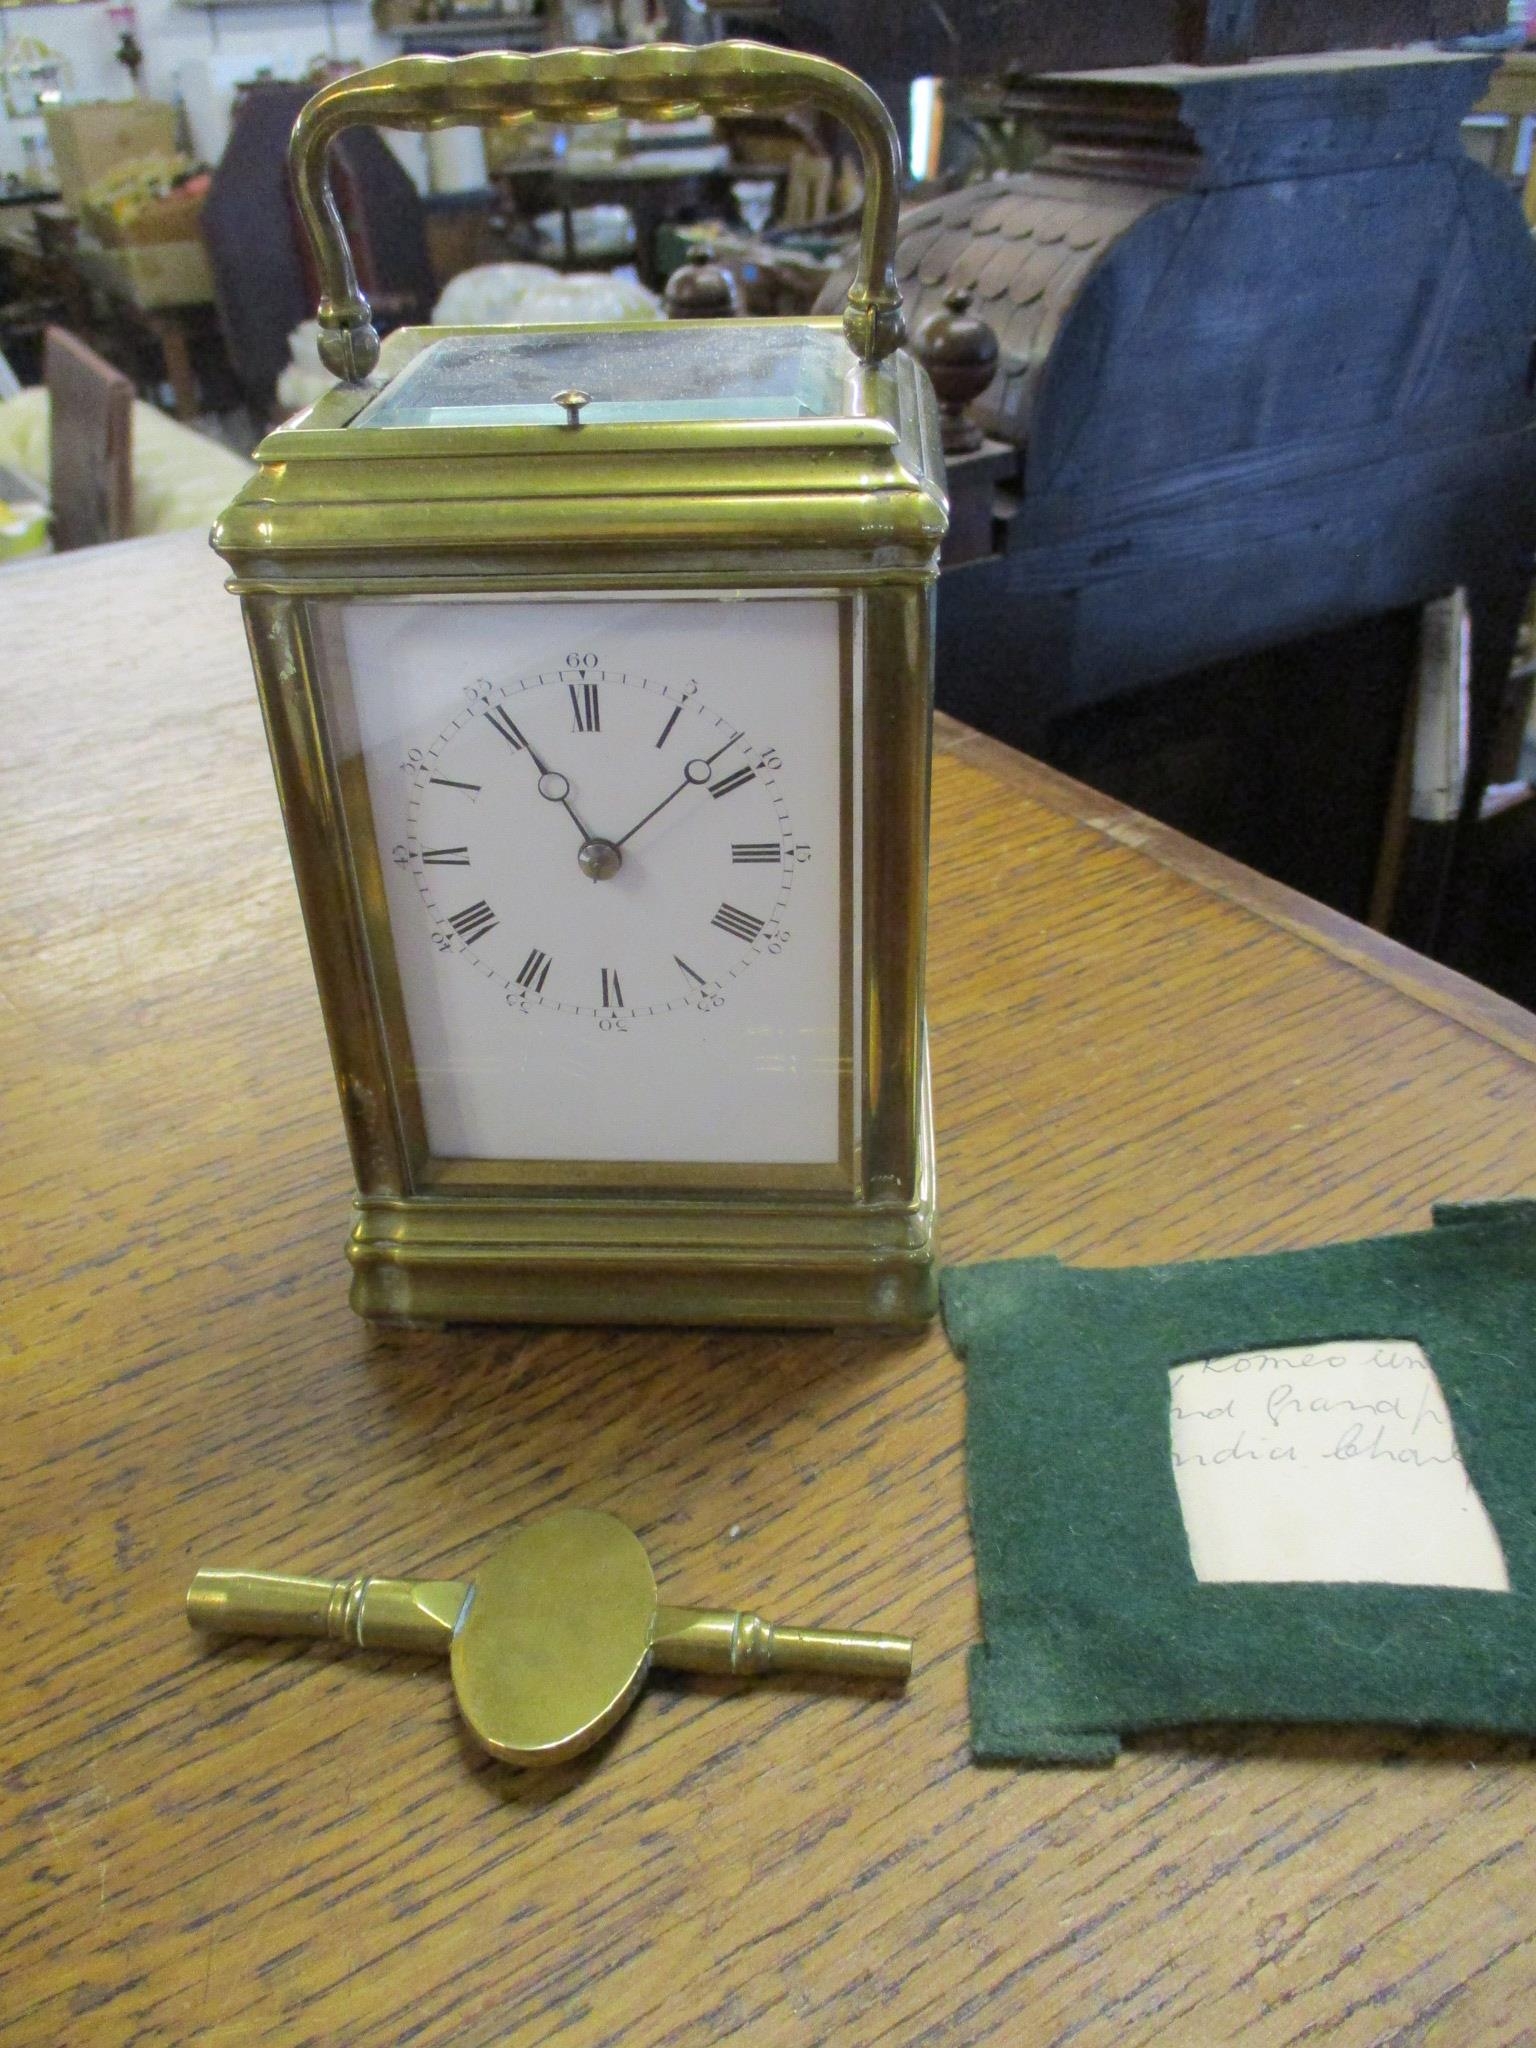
558, 795
690, 780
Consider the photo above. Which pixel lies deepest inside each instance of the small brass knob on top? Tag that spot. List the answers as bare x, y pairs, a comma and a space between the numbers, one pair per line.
573, 401
553, 1639
959, 351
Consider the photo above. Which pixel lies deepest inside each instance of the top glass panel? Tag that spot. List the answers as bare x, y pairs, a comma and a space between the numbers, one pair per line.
632, 374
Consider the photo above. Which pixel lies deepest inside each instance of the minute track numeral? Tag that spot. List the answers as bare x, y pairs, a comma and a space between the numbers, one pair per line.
501, 719
730, 782
474, 922
756, 852
445, 856
534, 972
739, 923
586, 710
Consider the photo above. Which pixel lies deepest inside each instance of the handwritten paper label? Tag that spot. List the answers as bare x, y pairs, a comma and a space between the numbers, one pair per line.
1327, 1462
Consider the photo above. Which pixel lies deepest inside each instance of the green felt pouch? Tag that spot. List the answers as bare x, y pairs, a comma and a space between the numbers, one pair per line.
1094, 1621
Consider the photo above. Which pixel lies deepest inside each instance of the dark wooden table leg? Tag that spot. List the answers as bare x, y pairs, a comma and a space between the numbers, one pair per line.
170, 331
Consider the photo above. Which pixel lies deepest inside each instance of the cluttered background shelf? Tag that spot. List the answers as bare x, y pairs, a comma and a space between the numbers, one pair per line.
1140, 1051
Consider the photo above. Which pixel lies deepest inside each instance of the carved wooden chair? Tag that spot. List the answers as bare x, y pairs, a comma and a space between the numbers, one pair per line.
90, 444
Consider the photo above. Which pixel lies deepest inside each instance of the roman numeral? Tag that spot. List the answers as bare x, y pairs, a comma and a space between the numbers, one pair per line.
447, 782
473, 923
692, 973
584, 707
757, 850
739, 923
613, 995
445, 857
731, 782
501, 718
534, 972
676, 715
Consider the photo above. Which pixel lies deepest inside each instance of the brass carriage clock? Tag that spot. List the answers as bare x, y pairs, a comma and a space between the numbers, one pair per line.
596, 665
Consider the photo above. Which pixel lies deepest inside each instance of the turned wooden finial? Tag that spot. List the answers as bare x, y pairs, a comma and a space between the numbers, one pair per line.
959, 351
699, 289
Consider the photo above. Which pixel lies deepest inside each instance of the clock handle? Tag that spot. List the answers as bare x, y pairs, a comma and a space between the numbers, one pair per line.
670, 81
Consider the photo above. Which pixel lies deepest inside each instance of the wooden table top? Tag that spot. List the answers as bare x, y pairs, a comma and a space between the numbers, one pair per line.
1140, 1051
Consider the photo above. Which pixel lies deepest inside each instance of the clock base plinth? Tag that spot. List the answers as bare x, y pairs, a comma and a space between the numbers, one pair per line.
412, 1280
433, 1260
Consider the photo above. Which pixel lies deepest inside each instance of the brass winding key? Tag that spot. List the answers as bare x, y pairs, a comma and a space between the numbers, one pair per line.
553, 1639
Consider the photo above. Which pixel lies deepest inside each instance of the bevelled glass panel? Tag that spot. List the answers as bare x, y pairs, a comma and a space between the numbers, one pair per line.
635, 374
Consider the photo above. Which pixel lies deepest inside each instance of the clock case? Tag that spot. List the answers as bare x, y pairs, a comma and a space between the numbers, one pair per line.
849, 502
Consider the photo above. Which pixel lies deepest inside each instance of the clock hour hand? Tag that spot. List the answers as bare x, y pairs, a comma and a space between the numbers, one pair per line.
696, 772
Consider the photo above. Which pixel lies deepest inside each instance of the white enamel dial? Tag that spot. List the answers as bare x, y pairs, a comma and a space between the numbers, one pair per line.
613, 849
659, 832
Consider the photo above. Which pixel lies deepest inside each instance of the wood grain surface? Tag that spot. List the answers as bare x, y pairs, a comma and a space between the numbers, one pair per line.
1140, 1051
